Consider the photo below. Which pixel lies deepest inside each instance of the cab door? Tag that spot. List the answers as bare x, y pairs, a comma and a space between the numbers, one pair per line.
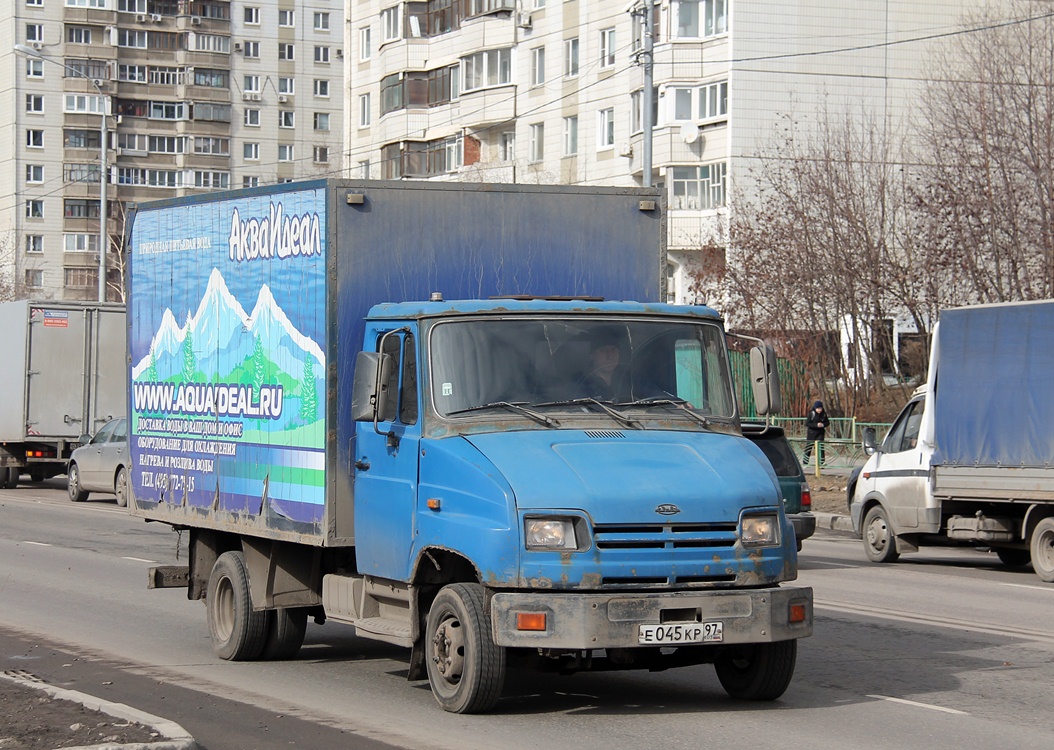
901, 471
386, 460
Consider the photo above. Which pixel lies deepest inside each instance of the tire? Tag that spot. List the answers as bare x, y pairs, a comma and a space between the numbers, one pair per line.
73, 484
879, 542
238, 632
5, 477
466, 670
1043, 549
36, 476
1012, 557
120, 487
285, 634
14, 473
757, 671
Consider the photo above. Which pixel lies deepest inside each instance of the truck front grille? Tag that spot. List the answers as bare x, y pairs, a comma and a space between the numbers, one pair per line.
665, 536
665, 554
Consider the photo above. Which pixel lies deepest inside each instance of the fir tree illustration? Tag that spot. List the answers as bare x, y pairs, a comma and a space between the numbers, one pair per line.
151, 370
259, 364
190, 364
308, 396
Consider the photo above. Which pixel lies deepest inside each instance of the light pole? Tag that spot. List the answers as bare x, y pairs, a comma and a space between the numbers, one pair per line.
104, 238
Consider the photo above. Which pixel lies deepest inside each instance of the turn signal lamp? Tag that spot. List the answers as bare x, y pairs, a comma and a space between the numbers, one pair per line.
796, 613
530, 621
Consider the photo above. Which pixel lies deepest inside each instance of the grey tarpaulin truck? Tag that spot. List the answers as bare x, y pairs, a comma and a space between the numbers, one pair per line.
62, 376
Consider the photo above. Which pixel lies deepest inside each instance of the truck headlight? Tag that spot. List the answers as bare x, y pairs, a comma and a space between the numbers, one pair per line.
760, 530
550, 533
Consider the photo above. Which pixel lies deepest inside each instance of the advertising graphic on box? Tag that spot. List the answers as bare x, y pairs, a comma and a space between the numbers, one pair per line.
227, 345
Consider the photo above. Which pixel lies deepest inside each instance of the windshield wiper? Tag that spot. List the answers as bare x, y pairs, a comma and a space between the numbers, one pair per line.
680, 403
518, 407
605, 406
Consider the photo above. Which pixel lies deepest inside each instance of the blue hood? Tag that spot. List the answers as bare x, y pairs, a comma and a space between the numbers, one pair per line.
614, 475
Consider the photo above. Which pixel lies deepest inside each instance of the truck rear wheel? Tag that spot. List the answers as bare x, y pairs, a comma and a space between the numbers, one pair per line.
1043, 550
285, 634
238, 632
1012, 557
466, 670
879, 542
757, 671
73, 484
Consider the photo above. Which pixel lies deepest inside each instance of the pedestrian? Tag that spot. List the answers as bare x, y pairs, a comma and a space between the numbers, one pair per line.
815, 429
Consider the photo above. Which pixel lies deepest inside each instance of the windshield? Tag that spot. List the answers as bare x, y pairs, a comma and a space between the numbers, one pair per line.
550, 362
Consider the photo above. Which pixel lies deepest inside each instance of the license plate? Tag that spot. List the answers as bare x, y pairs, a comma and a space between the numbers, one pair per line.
675, 633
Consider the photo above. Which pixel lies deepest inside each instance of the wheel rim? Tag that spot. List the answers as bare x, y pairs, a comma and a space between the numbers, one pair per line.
224, 609
878, 534
121, 490
448, 648
1045, 547
74, 482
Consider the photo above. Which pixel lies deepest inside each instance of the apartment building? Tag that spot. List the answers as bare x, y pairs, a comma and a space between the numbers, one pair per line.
552, 91
198, 95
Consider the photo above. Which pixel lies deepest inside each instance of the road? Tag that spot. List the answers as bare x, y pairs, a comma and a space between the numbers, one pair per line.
943, 650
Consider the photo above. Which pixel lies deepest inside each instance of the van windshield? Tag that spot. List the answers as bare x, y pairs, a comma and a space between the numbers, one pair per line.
551, 362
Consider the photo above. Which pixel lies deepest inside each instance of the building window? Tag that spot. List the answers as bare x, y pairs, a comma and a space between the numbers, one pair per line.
364, 169
251, 84
286, 52
537, 142
538, 66
250, 182
34, 32
286, 19
252, 50
365, 48
286, 86
636, 112
34, 243
321, 54
699, 18
697, 188
166, 110
321, 155
81, 278
489, 68
34, 173
217, 146
507, 146
571, 57
35, 3
34, 103
286, 119
364, 110
285, 152
80, 35
606, 128
390, 22
252, 118
322, 87
80, 243
570, 136
80, 208
35, 208
251, 151
251, 16
215, 180
35, 138
34, 68
607, 48
692, 103
322, 121
34, 278
321, 21
79, 103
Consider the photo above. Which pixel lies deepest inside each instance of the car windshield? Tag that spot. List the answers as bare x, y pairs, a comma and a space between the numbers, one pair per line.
779, 453
586, 364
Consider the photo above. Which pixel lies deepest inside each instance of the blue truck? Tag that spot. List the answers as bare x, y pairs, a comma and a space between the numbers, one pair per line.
426, 410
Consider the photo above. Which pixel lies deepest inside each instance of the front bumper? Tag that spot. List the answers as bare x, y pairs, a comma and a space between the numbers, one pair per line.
611, 620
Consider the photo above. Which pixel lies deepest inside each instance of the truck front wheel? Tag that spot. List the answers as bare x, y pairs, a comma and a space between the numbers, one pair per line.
466, 670
1043, 550
238, 632
879, 542
757, 671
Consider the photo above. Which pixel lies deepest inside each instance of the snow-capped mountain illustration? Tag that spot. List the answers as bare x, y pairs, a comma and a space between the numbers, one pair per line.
223, 336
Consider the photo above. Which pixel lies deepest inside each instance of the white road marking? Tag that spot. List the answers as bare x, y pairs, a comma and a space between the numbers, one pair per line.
919, 705
139, 559
39, 544
1048, 589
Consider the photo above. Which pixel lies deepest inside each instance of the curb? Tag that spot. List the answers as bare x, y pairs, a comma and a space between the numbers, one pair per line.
175, 736
842, 525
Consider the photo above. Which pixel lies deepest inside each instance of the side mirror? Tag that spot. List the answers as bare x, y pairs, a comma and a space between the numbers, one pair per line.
765, 380
870, 441
369, 393
84, 439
